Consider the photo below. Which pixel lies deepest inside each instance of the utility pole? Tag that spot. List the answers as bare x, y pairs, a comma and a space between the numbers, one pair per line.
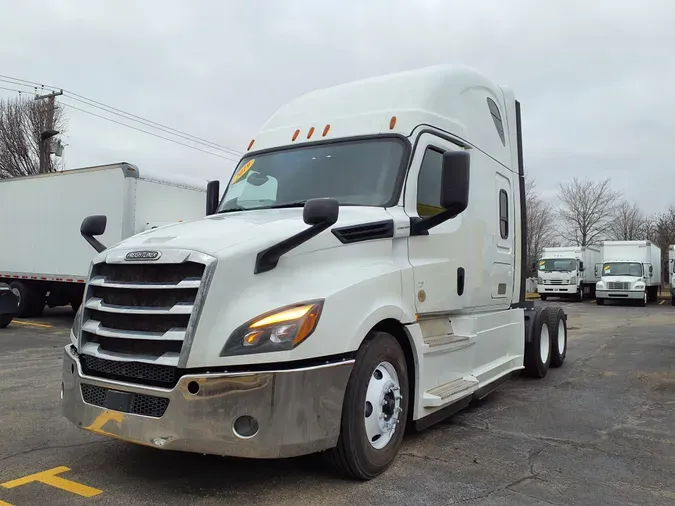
48, 132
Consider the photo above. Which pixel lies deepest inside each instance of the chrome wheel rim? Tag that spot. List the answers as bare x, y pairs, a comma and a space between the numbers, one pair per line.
544, 344
383, 405
561, 337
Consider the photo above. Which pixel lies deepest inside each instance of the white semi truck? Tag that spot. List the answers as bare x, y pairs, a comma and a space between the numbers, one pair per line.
569, 271
363, 273
631, 270
671, 272
42, 255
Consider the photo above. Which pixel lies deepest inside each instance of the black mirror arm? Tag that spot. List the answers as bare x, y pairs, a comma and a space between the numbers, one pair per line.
95, 243
267, 259
421, 226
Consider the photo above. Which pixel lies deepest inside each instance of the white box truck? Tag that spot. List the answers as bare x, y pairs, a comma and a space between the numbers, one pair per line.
42, 254
569, 271
631, 270
671, 272
363, 272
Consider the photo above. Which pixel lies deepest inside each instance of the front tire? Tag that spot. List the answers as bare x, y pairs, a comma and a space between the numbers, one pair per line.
542, 296
600, 302
672, 301
374, 411
580, 295
645, 298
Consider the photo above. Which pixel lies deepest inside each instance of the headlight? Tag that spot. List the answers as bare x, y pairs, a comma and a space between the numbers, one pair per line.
600, 284
540, 281
573, 280
639, 286
279, 330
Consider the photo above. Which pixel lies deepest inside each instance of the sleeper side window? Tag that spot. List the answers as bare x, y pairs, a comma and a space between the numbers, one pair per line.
503, 214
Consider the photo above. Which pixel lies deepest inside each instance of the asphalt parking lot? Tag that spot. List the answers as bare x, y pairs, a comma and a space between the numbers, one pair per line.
598, 431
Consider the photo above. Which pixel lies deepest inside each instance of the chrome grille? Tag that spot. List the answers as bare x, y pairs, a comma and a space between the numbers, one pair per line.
555, 282
138, 317
618, 285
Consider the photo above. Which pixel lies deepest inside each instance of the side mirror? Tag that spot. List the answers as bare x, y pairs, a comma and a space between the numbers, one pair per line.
455, 177
581, 267
93, 226
455, 182
320, 211
534, 266
212, 197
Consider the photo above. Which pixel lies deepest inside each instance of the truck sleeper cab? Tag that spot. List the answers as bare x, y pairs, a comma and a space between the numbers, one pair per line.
362, 273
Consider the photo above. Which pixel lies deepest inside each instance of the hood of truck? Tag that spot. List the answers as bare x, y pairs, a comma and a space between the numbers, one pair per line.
251, 230
621, 279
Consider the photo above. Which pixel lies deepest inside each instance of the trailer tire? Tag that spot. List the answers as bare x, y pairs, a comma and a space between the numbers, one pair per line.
539, 345
5, 320
558, 326
380, 361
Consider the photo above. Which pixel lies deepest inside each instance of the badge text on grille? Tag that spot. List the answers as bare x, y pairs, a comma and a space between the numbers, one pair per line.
143, 255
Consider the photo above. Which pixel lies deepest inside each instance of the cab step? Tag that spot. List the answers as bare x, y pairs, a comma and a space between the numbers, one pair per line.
439, 395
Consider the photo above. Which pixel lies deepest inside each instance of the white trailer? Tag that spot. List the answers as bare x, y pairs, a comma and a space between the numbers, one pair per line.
671, 272
631, 270
363, 272
569, 271
42, 253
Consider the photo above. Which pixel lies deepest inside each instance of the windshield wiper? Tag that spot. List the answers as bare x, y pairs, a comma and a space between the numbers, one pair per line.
297, 203
231, 209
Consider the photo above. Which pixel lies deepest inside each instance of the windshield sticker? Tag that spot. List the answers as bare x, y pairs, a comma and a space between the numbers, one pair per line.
542, 263
242, 172
606, 268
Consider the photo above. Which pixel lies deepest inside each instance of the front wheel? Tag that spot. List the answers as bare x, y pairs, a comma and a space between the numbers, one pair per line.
643, 302
600, 302
374, 411
672, 301
580, 295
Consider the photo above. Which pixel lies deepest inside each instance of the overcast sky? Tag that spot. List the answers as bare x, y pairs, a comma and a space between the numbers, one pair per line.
595, 78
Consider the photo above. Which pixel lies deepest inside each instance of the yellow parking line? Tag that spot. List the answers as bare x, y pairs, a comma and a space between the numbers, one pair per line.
662, 302
50, 477
33, 324
3, 503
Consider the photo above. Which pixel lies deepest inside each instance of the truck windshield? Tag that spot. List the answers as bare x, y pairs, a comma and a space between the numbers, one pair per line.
622, 269
357, 172
557, 264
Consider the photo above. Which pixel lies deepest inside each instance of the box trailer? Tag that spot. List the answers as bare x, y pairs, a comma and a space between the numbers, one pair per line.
631, 270
42, 254
569, 271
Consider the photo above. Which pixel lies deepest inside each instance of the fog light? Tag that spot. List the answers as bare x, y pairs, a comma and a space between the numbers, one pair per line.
245, 427
193, 387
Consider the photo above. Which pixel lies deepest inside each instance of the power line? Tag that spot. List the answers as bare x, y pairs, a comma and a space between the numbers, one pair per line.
146, 132
125, 115
12, 89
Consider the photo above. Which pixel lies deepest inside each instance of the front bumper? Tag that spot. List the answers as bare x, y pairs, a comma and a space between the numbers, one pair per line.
620, 294
557, 289
298, 411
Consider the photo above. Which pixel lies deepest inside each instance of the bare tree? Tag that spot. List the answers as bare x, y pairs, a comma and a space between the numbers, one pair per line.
21, 123
586, 211
540, 222
628, 223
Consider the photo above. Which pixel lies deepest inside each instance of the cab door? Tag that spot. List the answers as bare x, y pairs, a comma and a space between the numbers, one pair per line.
436, 258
